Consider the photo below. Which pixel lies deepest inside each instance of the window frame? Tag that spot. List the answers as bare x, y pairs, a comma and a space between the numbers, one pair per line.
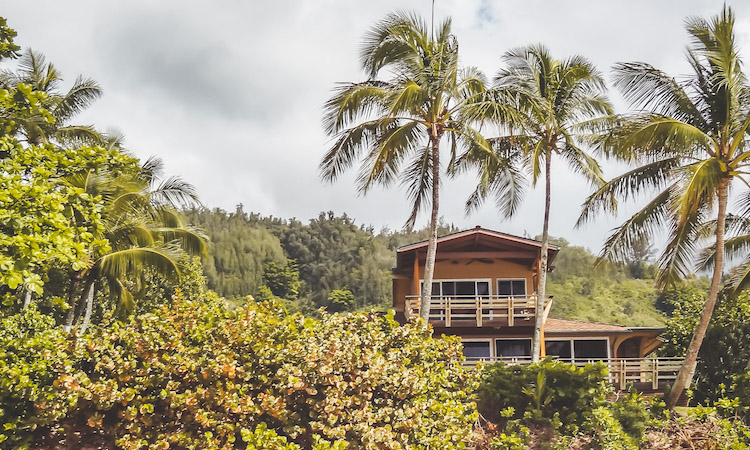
573, 357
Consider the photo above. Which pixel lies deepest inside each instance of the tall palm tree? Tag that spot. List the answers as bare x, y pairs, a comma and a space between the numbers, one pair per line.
555, 101
386, 122
143, 230
689, 136
43, 76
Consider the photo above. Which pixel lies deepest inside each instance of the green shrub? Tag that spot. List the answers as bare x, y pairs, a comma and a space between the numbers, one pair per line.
35, 362
632, 412
542, 391
193, 375
607, 431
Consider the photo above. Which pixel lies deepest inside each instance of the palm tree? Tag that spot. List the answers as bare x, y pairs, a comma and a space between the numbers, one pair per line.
35, 72
689, 136
555, 100
405, 118
143, 230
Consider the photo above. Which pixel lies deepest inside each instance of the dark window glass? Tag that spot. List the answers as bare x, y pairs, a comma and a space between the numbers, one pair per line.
477, 349
590, 349
519, 287
504, 287
513, 347
449, 288
558, 349
483, 288
435, 288
466, 288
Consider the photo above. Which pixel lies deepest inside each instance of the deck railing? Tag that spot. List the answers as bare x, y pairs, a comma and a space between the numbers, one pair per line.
473, 310
650, 372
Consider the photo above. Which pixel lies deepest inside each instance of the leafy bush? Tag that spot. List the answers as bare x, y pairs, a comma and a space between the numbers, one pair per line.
632, 412
35, 359
193, 375
543, 391
607, 430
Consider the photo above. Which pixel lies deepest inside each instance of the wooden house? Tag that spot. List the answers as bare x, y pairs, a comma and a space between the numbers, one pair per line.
484, 290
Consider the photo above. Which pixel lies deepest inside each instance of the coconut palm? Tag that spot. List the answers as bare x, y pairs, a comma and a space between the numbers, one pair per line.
143, 230
555, 100
690, 138
386, 123
35, 72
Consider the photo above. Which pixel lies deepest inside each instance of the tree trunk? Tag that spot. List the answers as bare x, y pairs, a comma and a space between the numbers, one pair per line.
89, 306
70, 316
542, 290
26, 298
429, 266
81, 307
685, 375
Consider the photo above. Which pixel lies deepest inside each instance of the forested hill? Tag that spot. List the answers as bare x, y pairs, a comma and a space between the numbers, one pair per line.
333, 262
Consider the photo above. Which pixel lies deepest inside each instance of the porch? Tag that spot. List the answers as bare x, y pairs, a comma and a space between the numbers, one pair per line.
478, 311
645, 374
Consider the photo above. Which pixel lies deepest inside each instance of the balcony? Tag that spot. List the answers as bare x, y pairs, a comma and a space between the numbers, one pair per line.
478, 311
646, 374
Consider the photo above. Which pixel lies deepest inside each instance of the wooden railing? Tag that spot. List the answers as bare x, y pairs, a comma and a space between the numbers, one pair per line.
472, 310
644, 372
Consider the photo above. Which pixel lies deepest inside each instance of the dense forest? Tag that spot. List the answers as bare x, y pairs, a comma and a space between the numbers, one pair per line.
333, 253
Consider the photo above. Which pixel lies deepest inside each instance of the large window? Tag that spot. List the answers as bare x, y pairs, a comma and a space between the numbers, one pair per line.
578, 350
477, 349
511, 287
460, 288
513, 348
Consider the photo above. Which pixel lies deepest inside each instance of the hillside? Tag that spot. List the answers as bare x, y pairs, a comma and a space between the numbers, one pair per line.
334, 253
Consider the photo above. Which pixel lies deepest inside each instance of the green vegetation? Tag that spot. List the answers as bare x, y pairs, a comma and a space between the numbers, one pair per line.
194, 375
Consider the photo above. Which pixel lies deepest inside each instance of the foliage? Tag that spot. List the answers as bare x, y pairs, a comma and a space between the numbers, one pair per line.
607, 431
8, 49
565, 391
44, 219
194, 375
340, 300
728, 354
282, 280
631, 411
35, 358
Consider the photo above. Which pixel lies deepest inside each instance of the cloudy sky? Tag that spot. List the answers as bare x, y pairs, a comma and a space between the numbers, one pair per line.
230, 93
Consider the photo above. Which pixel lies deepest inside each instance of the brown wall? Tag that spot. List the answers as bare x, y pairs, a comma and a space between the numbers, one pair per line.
465, 269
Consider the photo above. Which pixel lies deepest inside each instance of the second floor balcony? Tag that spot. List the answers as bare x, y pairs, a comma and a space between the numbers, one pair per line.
478, 311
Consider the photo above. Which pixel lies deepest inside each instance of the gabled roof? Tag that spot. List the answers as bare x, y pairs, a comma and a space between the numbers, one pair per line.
476, 243
474, 231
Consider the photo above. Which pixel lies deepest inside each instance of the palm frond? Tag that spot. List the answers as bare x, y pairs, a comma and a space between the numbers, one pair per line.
382, 164
127, 262
418, 180
83, 93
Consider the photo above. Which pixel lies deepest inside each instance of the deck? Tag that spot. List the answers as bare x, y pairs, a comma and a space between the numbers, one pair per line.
645, 374
478, 311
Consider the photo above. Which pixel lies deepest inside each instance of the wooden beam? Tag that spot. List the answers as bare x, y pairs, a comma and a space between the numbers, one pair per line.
483, 255
416, 274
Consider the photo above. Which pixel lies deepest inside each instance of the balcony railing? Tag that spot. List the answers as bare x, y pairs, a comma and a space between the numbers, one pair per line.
652, 373
472, 310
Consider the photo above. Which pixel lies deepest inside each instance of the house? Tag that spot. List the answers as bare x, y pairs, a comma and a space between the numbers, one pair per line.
484, 290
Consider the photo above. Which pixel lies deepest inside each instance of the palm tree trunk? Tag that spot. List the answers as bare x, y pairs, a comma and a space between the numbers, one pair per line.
685, 375
82, 301
542, 290
70, 316
429, 266
89, 306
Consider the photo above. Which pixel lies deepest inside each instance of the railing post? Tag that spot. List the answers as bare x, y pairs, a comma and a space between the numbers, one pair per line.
511, 311
479, 311
448, 312
623, 375
655, 374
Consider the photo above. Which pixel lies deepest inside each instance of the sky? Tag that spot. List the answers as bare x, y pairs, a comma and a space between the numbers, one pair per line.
230, 94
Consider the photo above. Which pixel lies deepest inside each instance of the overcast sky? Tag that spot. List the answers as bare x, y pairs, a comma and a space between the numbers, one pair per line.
230, 93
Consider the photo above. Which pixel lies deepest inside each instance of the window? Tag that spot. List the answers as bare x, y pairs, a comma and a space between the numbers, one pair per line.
511, 287
460, 288
476, 349
590, 349
578, 350
512, 348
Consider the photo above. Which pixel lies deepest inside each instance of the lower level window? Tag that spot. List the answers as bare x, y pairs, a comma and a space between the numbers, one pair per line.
512, 348
477, 349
